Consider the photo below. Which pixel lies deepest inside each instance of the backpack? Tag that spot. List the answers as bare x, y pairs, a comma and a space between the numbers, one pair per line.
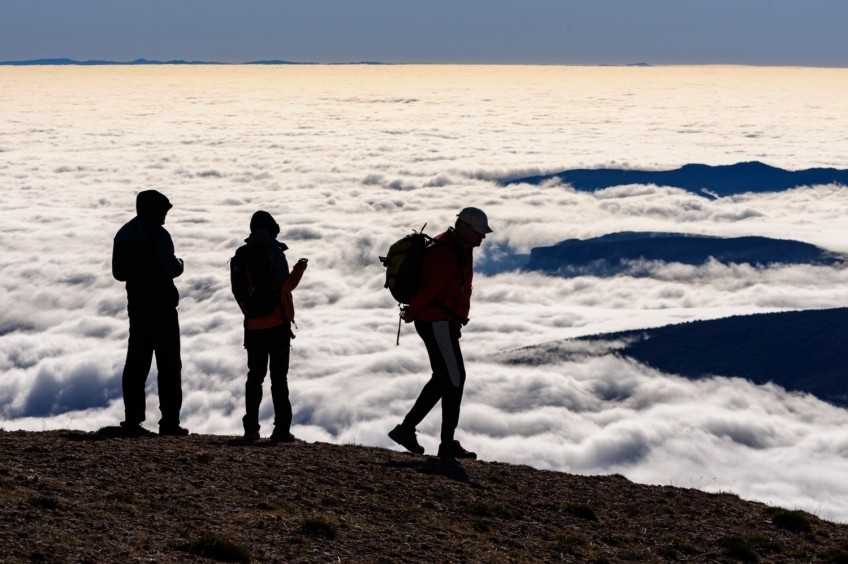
403, 265
252, 281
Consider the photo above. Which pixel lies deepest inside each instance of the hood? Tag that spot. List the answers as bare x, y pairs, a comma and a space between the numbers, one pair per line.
151, 204
265, 221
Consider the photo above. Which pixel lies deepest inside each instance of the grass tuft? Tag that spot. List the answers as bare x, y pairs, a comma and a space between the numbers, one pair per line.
319, 527
44, 502
737, 548
793, 521
571, 543
123, 497
581, 510
216, 547
493, 510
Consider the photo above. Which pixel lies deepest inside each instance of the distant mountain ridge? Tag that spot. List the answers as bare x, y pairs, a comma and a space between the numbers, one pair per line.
801, 351
616, 253
95, 62
703, 180
98, 62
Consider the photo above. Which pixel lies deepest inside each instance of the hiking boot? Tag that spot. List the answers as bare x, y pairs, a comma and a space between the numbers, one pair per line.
173, 431
135, 430
251, 436
406, 439
286, 437
453, 450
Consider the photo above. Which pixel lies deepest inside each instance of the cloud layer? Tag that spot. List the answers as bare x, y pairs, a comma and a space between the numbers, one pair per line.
350, 158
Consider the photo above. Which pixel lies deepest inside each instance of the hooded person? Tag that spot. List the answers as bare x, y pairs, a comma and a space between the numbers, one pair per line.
439, 309
143, 258
262, 285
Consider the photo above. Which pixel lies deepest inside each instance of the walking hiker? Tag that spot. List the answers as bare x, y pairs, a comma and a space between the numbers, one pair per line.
262, 285
439, 309
143, 257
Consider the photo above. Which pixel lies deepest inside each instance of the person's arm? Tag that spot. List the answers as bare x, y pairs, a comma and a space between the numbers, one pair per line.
286, 281
294, 277
163, 251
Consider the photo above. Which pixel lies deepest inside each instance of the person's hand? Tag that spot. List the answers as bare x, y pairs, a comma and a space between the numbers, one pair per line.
406, 317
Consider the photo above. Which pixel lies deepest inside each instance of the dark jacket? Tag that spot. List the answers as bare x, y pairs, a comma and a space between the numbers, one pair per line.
445, 292
143, 257
284, 280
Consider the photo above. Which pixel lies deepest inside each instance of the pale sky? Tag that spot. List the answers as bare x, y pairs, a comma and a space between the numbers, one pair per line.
756, 32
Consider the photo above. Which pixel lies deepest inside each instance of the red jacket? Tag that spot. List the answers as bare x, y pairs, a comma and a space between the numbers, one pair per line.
445, 292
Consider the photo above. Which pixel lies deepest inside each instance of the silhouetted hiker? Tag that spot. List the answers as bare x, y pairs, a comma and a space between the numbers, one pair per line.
262, 285
143, 257
440, 309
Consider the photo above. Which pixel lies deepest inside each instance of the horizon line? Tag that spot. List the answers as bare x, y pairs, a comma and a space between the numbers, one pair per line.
64, 61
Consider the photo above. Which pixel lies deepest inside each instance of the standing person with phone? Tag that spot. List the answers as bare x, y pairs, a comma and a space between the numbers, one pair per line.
262, 285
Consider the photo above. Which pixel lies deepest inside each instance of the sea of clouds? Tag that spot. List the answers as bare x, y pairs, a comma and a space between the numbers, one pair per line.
350, 158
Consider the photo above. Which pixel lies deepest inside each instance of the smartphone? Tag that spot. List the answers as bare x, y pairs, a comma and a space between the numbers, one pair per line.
303, 260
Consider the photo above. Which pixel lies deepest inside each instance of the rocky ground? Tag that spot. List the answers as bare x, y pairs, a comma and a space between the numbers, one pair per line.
70, 496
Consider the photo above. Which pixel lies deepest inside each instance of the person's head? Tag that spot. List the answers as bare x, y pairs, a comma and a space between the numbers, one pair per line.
472, 225
152, 205
263, 221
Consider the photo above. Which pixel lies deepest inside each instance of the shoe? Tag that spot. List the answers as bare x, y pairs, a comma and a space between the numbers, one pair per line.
406, 439
175, 431
282, 437
135, 430
453, 450
251, 436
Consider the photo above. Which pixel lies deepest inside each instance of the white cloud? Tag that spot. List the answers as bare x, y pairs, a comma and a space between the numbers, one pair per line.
345, 178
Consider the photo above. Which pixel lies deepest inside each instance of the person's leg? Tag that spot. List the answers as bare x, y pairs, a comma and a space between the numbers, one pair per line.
257, 368
446, 338
139, 358
434, 388
279, 356
169, 365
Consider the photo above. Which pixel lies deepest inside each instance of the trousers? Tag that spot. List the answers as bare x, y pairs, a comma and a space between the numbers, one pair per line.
441, 338
153, 331
268, 348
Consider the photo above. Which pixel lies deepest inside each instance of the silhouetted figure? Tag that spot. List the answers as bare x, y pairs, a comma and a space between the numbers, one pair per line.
143, 257
439, 310
262, 286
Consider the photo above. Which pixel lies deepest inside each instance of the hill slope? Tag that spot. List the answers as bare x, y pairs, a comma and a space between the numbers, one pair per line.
803, 351
90, 497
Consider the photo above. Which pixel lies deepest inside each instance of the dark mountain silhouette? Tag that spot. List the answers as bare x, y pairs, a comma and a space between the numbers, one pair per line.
96, 62
802, 351
274, 62
614, 253
704, 180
